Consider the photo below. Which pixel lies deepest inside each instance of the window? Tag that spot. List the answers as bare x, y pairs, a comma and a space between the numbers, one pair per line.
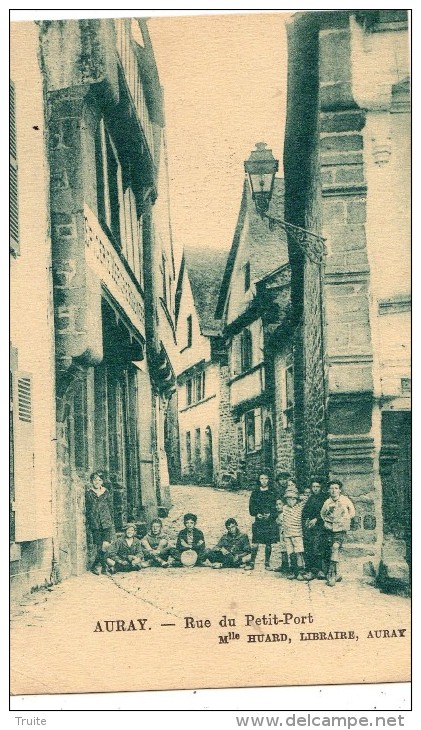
189, 391
109, 182
200, 386
235, 356
13, 202
188, 450
23, 491
197, 449
288, 406
247, 276
195, 388
189, 326
253, 430
130, 237
240, 436
246, 350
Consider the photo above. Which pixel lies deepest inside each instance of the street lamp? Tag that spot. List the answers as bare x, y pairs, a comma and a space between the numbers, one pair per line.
261, 168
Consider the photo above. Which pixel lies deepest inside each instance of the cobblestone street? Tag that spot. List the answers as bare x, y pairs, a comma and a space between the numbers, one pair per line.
52, 629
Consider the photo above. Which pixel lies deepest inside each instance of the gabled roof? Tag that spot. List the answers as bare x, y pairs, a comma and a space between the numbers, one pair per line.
268, 250
204, 268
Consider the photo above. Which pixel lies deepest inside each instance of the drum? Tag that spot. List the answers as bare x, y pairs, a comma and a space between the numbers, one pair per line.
188, 558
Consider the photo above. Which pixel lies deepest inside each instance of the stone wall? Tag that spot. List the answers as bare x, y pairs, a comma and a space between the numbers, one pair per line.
229, 456
284, 441
353, 447
314, 375
333, 340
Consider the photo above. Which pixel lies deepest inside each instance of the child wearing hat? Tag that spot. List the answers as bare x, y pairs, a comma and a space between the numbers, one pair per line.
127, 553
336, 513
293, 531
284, 566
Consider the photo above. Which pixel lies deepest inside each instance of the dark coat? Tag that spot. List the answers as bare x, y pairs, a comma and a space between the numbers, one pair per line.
265, 530
313, 507
99, 510
122, 550
237, 545
197, 537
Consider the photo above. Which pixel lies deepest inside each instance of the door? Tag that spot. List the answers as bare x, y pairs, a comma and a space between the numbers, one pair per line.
208, 463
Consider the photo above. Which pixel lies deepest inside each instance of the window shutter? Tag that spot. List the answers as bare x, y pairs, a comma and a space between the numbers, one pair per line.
23, 435
13, 183
241, 435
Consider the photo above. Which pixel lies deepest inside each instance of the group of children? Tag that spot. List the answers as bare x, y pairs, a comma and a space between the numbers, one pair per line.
310, 528
313, 527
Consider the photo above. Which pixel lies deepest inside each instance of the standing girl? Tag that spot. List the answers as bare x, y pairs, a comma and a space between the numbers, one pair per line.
265, 530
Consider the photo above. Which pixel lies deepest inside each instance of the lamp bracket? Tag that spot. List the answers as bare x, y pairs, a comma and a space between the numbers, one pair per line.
310, 243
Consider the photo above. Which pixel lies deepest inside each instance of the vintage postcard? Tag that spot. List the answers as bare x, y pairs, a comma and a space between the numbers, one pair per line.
210, 351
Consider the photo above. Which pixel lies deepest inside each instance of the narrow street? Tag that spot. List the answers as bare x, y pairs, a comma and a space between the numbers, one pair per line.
52, 629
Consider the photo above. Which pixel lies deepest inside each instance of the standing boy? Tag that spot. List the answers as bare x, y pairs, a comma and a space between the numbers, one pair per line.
99, 519
293, 532
336, 513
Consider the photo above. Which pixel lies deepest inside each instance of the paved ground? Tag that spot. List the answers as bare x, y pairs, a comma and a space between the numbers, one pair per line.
55, 647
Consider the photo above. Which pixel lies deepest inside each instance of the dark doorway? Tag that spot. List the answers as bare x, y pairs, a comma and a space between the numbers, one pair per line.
116, 435
395, 471
208, 463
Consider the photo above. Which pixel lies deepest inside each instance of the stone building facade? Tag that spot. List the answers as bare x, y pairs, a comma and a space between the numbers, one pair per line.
113, 272
347, 176
199, 365
256, 423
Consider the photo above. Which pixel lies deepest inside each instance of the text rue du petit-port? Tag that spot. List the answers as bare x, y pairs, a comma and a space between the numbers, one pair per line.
266, 628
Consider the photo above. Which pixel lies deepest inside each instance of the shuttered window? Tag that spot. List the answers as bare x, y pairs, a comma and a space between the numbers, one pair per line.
24, 399
13, 183
23, 449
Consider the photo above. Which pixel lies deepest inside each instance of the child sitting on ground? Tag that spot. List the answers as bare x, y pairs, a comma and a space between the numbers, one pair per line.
190, 538
156, 546
233, 550
127, 553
